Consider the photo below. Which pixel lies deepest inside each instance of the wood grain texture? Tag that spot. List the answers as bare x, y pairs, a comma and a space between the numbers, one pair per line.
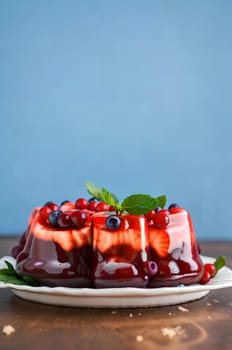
206, 325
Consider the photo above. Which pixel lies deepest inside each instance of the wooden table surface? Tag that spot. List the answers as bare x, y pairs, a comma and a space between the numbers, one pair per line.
206, 325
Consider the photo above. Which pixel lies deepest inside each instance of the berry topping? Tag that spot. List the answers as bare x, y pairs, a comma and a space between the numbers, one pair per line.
161, 219
102, 207
113, 222
64, 220
211, 268
44, 213
67, 205
93, 205
82, 203
173, 205
150, 215
205, 277
92, 199
53, 217
112, 208
136, 204
51, 205
151, 268
80, 217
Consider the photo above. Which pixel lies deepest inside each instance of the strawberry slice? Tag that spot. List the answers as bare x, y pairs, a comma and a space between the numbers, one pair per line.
159, 241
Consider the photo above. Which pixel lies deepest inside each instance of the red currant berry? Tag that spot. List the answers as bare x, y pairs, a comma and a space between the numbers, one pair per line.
111, 208
51, 205
211, 268
150, 215
64, 220
161, 219
82, 203
205, 278
93, 205
102, 207
67, 206
44, 213
80, 218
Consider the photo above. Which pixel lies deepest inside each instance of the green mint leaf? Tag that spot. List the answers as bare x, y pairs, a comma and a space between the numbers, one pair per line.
94, 190
12, 279
139, 204
9, 275
108, 197
10, 268
30, 281
219, 262
162, 201
6, 272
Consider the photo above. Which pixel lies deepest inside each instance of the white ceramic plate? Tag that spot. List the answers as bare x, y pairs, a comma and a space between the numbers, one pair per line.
119, 297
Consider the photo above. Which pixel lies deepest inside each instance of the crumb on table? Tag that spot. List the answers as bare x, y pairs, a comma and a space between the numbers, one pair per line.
8, 329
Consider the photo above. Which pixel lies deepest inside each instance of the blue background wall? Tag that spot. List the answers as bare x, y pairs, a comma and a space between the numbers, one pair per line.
131, 95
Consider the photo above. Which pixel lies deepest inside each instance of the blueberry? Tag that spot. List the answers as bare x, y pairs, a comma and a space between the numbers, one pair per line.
93, 199
173, 205
53, 216
113, 222
157, 209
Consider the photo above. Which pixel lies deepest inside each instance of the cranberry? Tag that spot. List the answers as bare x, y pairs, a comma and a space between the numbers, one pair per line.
111, 208
150, 215
161, 219
64, 220
93, 205
44, 213
51, 205
82, 203
206, 277
102, 207
211, 268
67, 205
80, 217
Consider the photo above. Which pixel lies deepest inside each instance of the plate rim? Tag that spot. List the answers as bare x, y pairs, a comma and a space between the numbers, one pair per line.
121, 292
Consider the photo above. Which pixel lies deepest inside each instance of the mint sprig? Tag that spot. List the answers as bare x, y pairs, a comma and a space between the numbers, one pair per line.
219, 263
9, 275
136, 204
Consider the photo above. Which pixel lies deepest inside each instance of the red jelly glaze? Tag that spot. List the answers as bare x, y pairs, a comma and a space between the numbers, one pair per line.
182, 263
120, 257
52, 264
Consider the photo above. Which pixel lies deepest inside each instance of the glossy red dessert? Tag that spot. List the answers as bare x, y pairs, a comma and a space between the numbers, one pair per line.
105, 244
120, 251
178, 256
57, 256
